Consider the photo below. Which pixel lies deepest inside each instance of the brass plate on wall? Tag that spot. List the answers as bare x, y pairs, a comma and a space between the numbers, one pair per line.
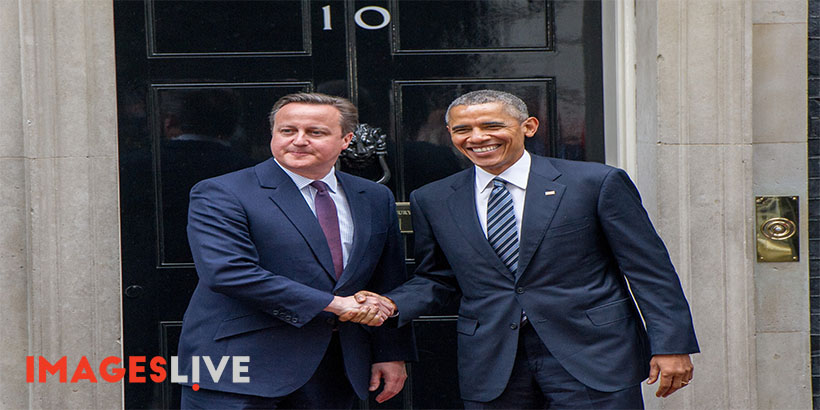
405, 222
777, 228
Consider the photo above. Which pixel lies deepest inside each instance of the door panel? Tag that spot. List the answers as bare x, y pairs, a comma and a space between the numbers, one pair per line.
196, 80
201, 131
228, 28
469, 26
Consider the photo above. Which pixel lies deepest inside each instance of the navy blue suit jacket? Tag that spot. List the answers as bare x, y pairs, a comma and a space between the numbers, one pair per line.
584, 234
266, 274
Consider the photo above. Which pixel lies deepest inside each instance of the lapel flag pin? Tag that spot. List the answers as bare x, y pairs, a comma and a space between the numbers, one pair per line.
548, 193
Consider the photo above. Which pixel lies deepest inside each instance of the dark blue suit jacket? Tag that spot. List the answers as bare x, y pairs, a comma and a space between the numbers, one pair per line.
265, 274
584, 234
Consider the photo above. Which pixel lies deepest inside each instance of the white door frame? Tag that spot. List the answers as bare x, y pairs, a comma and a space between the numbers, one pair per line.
620, 117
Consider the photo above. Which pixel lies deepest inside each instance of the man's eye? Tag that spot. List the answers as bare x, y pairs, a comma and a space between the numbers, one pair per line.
286, 131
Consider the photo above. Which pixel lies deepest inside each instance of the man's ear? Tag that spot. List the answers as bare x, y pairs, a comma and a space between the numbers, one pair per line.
347, 138
530, 126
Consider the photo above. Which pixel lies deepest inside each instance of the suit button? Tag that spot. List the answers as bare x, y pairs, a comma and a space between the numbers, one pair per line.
513, 326
294, 320
519, 291
287, 317
276, 313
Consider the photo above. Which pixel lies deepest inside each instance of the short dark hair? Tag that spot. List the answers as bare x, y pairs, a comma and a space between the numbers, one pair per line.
348, 119
514, 105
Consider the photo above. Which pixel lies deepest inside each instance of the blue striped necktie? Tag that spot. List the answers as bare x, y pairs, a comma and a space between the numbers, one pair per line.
501, 227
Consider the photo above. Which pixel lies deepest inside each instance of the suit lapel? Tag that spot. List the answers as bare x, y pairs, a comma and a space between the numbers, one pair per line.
290, 201
542, 199
360, 211
462, 210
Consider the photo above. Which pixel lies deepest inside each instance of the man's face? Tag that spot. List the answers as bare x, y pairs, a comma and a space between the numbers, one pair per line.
488, 135
307, 138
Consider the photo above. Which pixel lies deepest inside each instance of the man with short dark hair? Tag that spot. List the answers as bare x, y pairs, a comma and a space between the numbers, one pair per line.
542, 253
279, 249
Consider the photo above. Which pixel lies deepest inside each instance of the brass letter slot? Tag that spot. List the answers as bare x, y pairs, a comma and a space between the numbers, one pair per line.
777, 229
405, 223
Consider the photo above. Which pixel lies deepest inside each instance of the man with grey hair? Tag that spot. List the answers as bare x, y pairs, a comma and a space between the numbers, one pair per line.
279, 249
542, 253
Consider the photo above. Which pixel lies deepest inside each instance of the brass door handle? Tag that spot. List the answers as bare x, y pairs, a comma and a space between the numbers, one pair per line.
777, 228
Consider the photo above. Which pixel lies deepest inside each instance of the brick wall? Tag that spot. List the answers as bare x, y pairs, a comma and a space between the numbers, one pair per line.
814, 192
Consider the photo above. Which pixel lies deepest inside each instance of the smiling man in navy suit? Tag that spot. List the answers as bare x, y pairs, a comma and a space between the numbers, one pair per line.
279, 249
543, 253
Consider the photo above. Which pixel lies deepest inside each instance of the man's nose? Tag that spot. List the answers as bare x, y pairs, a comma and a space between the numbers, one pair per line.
301, 138
478, 135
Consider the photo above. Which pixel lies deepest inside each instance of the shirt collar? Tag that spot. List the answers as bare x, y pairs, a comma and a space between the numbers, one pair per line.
517, 174
301, 182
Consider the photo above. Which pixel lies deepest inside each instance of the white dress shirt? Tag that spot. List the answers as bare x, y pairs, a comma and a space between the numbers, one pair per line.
339, 198
516, 177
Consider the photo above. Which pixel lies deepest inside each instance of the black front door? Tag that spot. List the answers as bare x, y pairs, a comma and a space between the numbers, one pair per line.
196, 80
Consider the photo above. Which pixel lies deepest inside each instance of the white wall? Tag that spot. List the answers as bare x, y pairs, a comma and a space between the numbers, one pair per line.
779, 135
59, 241
721, 117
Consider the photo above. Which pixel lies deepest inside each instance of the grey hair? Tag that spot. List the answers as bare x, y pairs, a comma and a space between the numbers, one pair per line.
349, 114
514, 105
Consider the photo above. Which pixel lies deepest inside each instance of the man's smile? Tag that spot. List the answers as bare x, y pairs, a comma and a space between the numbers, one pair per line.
486, 149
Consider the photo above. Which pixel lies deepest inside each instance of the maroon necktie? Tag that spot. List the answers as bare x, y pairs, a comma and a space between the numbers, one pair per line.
326, 213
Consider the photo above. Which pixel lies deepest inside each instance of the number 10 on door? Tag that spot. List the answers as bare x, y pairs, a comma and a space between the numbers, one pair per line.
385, 17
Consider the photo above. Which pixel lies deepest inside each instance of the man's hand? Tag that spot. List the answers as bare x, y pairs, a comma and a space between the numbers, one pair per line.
384, 303
675, 372
347, 308
394, 375
384, 308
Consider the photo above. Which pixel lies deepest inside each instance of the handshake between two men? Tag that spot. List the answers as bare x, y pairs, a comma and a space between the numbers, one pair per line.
364, 307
